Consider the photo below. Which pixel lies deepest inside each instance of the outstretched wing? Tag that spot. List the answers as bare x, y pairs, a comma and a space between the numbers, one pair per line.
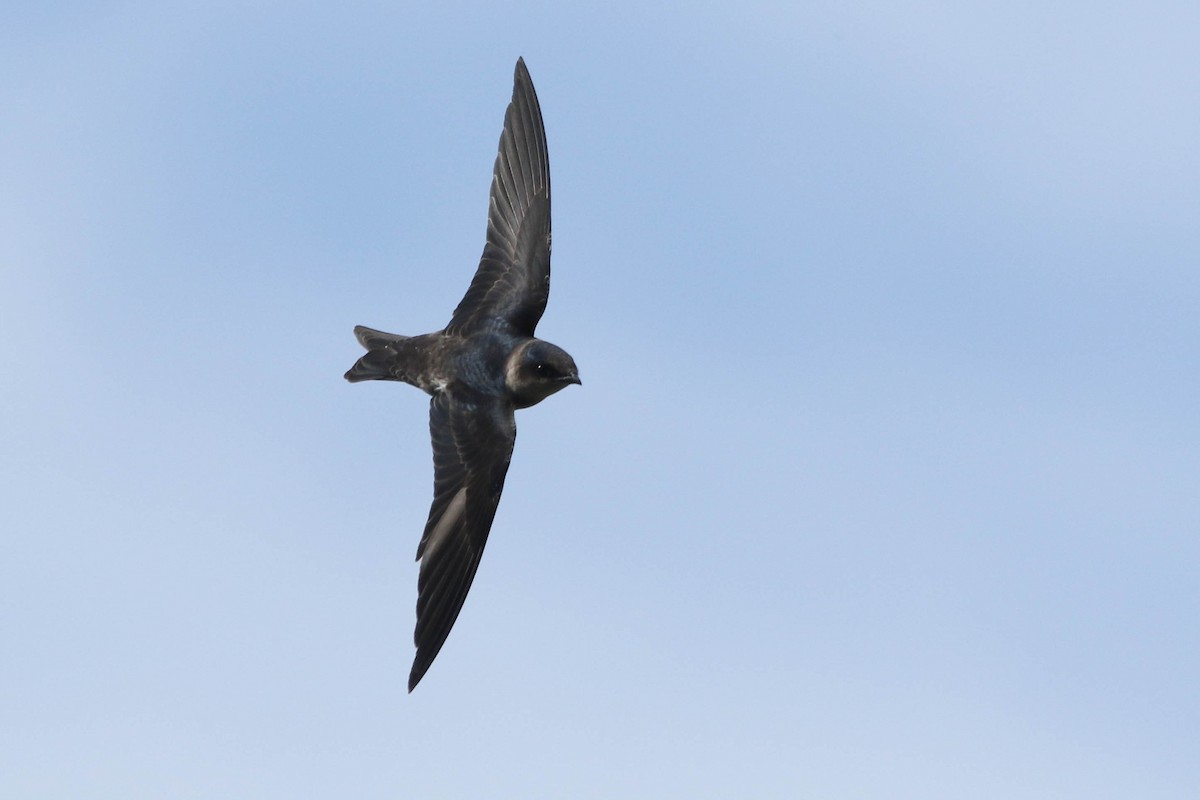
472, 447
512, 283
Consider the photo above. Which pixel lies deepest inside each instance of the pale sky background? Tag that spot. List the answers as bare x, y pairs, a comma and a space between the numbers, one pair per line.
884, 480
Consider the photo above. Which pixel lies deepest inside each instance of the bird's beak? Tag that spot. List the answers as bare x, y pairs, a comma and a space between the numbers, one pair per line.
575, 380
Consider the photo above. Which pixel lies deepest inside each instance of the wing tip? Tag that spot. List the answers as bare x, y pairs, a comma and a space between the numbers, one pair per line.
422, 661
414, 677
521, 77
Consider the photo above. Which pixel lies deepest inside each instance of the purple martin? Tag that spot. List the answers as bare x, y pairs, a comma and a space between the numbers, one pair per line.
479, 369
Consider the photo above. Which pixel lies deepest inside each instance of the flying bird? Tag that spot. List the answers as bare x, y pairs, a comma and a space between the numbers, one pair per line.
479, 369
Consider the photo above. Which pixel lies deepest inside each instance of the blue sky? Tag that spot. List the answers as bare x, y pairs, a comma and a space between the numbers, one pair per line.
883, 480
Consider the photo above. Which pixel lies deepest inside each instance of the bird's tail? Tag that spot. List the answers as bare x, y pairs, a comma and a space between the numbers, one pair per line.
381, 359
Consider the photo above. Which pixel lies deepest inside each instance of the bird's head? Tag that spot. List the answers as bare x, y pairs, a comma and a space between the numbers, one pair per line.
538, 369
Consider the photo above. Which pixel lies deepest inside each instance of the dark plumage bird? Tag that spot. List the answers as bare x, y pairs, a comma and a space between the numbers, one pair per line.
480, 368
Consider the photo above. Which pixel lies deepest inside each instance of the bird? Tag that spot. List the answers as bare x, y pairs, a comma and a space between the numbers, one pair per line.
483, 366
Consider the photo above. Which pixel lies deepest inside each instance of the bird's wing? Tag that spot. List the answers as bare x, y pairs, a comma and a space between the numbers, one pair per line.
511, 286
472, 446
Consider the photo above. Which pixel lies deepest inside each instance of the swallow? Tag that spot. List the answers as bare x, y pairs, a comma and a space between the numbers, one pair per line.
479, 369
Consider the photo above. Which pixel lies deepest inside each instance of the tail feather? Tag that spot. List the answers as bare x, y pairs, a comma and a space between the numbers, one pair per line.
380, 361
372, 339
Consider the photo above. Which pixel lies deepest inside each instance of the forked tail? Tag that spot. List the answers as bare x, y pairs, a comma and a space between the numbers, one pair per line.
382, 358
